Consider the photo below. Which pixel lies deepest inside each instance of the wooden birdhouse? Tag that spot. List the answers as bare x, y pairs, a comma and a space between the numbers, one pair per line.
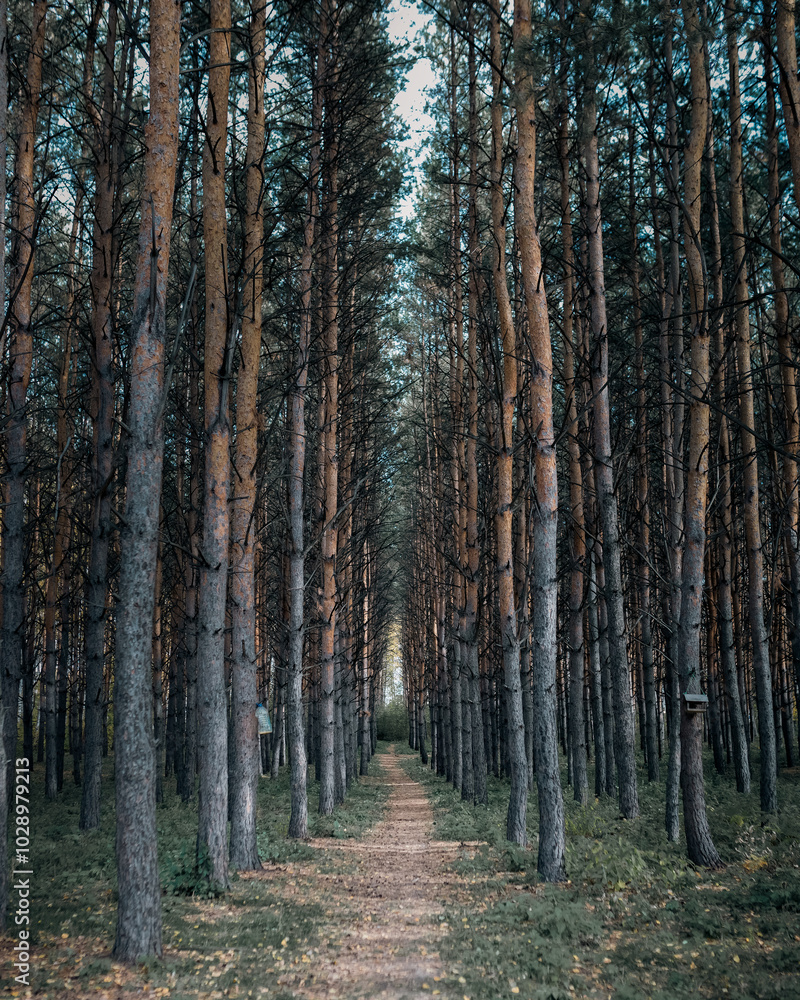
696, 704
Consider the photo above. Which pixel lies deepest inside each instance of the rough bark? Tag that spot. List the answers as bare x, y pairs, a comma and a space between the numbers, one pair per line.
727, 646
791, 450
786, 44
244, 696
102, 434
329, 423
624, 745
577, 533
700, 846
298, 822
20, 357
470, 564
545, 521
212, 722
139, 913
752, 524
642, 491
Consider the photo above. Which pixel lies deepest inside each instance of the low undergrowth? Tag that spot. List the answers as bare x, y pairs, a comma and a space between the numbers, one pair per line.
215, 943
636, 920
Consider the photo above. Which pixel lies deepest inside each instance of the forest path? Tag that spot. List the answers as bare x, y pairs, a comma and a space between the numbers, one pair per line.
385, 939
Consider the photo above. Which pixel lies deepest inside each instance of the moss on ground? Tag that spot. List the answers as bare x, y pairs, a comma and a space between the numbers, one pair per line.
636, 920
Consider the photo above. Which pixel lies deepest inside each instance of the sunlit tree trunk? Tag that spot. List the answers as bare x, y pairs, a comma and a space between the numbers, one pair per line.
545, 520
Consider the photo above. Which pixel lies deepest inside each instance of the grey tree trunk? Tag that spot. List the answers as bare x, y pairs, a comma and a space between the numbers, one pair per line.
624, 744
103, 443
139, 911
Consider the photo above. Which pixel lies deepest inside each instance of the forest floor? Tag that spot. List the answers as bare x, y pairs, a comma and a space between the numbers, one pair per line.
408, 892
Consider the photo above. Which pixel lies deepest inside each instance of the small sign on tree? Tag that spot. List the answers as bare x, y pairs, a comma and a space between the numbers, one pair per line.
264, 724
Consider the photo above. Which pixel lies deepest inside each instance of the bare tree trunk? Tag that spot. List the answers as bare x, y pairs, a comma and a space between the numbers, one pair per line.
327, 791
577, 656
244, 696
789, 85
755, 558
727, 646
298, 823
20, 358
699, 844
365, 650
158, 686
782, 330
102, 436
643, 492
624, 745
139, 913
470, 563
62, 533
545, 522
212, 728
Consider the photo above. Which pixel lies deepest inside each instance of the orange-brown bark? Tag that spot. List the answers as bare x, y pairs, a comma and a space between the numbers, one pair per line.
699, 844
543, 633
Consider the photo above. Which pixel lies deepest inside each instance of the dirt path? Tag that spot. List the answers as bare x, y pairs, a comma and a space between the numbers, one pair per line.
385, 942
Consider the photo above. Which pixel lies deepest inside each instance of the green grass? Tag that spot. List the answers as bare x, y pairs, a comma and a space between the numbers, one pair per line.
245, 937
636, 918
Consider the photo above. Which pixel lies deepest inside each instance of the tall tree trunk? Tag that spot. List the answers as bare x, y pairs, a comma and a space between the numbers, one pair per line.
246, 749
699, 844
56, 573
672, 430
20, 358
139, 912
727, 646
331, 407
458, 462
785, 350
298, 823
755, 558
518, 799
789, 85
642, 490
102, 434
470, 565
624, 745
212, 722
577, 658
545, 522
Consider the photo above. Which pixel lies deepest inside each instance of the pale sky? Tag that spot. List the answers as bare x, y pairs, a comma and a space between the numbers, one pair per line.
405, 22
